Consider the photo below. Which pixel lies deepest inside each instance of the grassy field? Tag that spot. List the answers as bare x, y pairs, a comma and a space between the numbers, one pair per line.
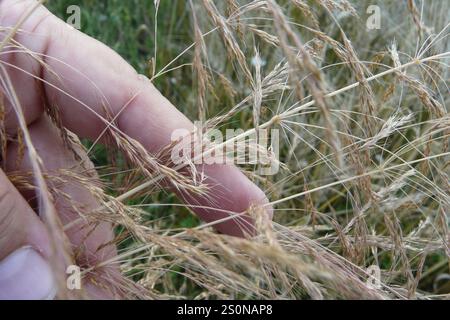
364, 175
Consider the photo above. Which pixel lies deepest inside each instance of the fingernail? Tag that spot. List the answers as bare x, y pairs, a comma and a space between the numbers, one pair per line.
25, 275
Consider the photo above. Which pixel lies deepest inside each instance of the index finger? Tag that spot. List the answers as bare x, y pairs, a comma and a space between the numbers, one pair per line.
95, 79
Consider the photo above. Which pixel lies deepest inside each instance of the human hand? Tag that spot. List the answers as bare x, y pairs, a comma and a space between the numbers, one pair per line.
89, 83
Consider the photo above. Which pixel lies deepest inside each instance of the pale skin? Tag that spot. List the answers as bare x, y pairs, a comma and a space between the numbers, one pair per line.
142, 113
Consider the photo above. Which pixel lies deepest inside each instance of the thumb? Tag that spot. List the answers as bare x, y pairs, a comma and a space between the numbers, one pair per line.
24, 248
